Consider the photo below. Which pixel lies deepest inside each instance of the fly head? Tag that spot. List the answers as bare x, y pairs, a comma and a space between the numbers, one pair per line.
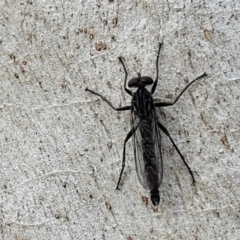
140, 81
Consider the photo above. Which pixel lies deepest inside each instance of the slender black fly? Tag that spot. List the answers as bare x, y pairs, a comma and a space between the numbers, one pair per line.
145, 131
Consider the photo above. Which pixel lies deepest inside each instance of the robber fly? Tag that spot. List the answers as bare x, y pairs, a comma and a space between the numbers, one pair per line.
145, 130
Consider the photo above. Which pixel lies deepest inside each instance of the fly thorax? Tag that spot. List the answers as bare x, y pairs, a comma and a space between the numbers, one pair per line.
142, 103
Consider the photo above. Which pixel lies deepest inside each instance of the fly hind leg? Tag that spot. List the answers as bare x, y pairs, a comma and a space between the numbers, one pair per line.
167, 133
129, 135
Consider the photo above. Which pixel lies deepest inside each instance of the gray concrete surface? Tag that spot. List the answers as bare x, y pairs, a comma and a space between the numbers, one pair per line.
61, 148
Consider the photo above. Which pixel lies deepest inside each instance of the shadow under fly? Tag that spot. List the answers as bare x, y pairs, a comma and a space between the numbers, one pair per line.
145, 130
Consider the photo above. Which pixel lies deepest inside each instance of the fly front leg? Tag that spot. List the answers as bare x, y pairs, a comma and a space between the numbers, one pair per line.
126, 74
165, 104
129, 135
108, 102
156, 80
167, 133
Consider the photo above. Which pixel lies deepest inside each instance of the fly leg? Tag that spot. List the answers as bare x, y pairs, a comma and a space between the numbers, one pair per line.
167, 133
108, 102
129, 135
165, 104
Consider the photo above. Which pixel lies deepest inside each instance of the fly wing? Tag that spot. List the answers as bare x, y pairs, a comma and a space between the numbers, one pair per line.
147, 151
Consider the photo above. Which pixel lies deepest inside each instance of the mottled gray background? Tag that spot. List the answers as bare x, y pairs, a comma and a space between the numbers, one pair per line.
61, 147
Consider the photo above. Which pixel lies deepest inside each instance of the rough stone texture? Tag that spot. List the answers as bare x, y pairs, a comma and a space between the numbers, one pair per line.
61, 147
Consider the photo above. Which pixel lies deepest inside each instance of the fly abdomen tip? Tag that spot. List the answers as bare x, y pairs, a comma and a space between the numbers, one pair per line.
155, 198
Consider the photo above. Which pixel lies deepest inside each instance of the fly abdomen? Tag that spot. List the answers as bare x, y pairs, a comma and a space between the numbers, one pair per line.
151, 173
148, 151
146, 130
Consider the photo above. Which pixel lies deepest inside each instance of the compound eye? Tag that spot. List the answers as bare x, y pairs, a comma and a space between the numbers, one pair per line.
133, 82
146, 81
